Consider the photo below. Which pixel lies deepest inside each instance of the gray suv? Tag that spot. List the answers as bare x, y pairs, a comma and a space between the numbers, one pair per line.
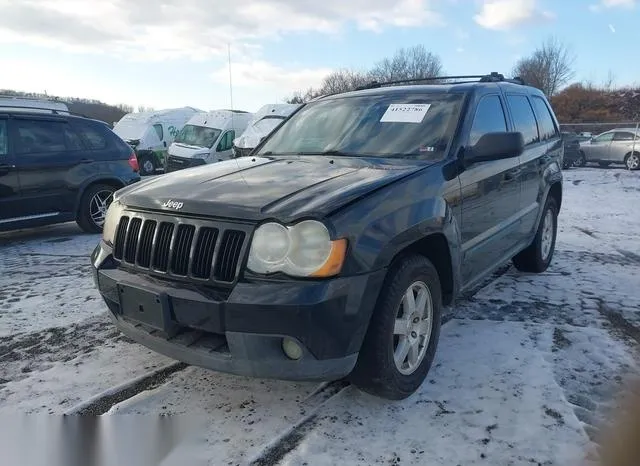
616, 146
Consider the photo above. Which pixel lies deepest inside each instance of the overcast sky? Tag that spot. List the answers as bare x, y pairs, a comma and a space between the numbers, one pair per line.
170, 53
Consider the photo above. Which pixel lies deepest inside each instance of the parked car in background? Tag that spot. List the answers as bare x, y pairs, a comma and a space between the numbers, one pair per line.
571, 149
618, 146
264, 121
207, 138
151, 133
56, 167
331, 251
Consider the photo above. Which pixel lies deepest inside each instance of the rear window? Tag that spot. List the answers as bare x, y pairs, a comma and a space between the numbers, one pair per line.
523, 118
93, 136
387, 125
547, 126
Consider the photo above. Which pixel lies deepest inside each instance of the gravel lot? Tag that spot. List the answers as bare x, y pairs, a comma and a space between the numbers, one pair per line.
528, 367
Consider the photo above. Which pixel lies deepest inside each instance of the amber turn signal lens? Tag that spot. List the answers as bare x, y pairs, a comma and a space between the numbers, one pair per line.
333, 264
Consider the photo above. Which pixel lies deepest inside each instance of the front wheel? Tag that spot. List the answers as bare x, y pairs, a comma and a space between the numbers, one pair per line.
537, 256
403, 334
632, 161
93, 207
581, 161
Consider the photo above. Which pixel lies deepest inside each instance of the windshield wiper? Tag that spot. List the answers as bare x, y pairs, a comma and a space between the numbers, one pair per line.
337, 153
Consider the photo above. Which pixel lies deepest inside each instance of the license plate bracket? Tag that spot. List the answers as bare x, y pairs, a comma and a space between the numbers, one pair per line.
147, 307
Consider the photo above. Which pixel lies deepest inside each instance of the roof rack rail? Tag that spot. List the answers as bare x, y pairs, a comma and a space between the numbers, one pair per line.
42, 105
483, 78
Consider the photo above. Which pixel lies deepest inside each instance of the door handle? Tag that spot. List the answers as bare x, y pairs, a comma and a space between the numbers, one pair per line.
86, 161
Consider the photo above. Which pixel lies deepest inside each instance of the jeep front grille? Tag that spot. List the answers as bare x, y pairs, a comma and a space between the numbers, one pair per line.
200, 250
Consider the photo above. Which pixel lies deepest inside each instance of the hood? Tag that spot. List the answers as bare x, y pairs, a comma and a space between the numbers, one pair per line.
188, 152
257, 188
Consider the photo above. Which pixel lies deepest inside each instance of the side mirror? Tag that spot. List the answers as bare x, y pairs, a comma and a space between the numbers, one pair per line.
496, 146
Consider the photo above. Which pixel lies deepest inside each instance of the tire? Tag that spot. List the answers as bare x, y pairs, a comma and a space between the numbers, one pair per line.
93, 199
147, 164
604, 164
632, 161
581, 161
376, 371
536, 257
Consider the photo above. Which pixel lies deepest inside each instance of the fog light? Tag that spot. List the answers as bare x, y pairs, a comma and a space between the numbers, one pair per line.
292, 349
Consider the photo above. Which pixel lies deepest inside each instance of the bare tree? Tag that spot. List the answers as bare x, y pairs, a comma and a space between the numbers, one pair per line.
549, 68
142, 109
344, 80
411, 63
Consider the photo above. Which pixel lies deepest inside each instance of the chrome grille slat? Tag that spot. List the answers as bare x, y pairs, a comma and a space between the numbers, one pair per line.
199, 250
131, 242
145, 247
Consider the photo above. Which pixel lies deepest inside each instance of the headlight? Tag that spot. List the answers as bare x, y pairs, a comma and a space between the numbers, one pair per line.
302, 250
111, 222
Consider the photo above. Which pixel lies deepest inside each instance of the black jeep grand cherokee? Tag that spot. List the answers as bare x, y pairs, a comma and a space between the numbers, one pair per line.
331, 250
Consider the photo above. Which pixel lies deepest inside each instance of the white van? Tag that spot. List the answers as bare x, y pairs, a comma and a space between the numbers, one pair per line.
263, 123
207, 138
151, 133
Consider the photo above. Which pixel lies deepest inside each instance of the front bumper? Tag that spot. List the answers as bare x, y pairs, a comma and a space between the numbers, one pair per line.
240, 330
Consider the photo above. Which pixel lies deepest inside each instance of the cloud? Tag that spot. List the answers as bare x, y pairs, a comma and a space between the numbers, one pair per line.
612, 29
280, 80
502, 15
605, 4
195, 29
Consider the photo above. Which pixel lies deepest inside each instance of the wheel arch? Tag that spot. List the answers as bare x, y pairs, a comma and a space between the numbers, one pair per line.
435, 248
109, 181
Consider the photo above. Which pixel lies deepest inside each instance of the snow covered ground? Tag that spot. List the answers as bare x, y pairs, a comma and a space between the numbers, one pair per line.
528, 367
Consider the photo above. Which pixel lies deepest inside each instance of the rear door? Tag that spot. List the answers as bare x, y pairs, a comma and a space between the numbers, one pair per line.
9, 187
540, 154
490, 198
621, 145
47, 149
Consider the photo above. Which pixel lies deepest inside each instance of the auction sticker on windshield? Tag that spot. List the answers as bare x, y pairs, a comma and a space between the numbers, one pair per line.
405, 113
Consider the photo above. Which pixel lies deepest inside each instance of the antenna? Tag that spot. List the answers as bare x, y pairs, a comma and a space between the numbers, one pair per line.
230, 80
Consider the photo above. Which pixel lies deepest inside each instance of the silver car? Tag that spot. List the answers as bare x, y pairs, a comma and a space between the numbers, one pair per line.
616, 146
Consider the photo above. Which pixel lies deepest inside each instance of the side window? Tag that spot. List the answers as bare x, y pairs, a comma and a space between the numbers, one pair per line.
226, 143
93, 138
623, 136
606, 137
489, 118
158, 128
4, 139
548, 128
72, 139
523, 118
39, 136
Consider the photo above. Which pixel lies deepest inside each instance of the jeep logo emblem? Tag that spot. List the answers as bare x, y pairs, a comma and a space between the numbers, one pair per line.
173, 205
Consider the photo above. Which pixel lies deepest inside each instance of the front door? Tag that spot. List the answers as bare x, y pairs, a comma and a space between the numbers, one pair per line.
598, 148
9, 183
224, 149
490, 194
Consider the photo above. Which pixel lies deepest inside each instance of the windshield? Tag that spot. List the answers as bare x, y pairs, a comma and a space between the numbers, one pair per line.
392, 125
200, 136
267, 124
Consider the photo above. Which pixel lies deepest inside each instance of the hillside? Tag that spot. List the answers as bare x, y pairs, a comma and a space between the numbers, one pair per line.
85, 107
581, 103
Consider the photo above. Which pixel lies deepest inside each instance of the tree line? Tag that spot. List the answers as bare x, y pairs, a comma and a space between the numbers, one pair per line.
550, 68
89, 108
